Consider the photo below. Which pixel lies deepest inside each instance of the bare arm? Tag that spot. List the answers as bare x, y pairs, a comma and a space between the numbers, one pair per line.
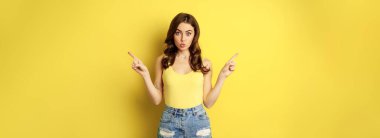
210, 95
154, 90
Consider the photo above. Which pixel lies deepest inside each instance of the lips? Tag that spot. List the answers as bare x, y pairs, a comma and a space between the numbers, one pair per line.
182, 45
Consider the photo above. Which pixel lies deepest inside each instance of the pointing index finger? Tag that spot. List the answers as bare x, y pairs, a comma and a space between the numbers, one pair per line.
133, 56
233, 57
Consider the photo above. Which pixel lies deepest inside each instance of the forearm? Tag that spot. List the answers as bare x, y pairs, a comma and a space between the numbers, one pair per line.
154, 93
214, 92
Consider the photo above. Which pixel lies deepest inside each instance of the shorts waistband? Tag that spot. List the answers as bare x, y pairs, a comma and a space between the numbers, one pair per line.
198, 108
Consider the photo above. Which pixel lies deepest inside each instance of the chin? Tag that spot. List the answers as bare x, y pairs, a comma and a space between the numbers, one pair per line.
183, 48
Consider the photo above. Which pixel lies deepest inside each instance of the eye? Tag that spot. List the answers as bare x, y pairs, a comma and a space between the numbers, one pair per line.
177, 33
188, 34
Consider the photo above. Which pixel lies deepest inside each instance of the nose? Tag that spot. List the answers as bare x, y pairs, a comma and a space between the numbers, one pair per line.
182, 38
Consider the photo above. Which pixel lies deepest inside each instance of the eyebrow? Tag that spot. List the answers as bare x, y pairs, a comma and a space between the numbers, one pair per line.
185, 31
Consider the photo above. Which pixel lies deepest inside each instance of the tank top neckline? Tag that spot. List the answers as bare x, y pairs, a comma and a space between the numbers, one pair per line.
180, 73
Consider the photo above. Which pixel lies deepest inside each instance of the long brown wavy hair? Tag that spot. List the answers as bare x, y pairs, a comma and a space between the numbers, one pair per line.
195, 50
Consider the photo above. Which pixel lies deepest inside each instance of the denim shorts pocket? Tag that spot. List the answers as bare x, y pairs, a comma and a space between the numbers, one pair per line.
166, 117
201, 116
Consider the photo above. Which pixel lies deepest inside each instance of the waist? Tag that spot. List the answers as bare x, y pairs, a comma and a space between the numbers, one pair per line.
184, 111
183, 99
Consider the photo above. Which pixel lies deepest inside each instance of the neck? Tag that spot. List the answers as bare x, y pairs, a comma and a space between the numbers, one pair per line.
183, 53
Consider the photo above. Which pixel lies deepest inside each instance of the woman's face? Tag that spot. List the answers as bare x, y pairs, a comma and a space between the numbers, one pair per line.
183, 37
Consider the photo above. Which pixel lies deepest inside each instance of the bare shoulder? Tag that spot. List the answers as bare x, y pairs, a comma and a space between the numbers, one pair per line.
159, 58
159, 61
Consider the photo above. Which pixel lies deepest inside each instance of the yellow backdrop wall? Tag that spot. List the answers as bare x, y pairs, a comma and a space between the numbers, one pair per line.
306, 69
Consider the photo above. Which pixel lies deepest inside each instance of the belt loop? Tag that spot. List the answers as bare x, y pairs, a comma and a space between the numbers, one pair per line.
174, 111
193, 111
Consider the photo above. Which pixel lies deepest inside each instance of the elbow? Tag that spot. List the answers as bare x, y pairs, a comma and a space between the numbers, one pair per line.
157, 99
157, 102
207, 105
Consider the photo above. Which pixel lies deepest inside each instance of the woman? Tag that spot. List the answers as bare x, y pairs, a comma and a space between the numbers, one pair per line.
183, 79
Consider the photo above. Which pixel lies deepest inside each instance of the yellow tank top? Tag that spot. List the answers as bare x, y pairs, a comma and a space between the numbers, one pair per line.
182, 90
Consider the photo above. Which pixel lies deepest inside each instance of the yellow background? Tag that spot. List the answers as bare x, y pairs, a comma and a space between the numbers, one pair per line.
306, 69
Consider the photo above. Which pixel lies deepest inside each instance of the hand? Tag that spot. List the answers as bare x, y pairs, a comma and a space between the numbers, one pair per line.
139, 66
229, 67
